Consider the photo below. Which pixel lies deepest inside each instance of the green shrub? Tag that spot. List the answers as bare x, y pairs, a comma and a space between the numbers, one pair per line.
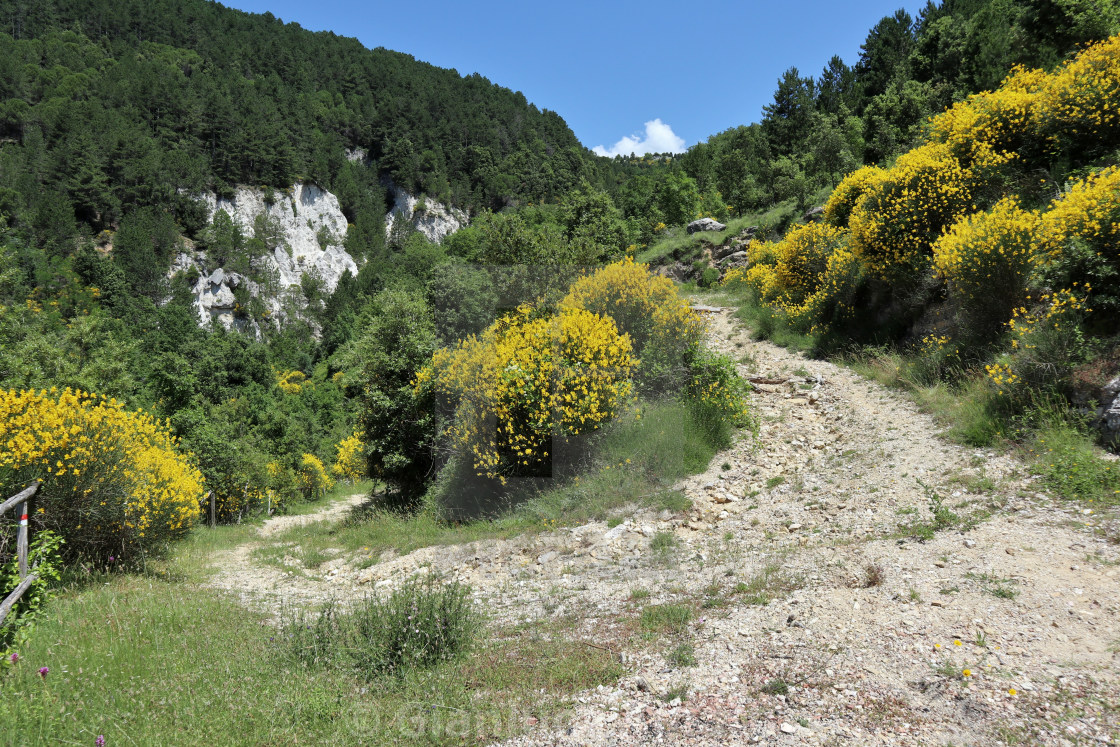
1068, 462
43, 555
397, 420
666, 618
422, 624
717, 395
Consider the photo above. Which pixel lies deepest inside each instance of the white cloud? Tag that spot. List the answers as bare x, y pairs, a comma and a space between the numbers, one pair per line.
659, 138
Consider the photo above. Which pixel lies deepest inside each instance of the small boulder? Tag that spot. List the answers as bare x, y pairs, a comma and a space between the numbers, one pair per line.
813, 214
705, 224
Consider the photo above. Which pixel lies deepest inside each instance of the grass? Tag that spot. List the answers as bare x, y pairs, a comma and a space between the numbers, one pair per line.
1070, 464
684, 655
770, 583
146, 661
1001, 588
677, 242
665, 618
636, 462
419, 625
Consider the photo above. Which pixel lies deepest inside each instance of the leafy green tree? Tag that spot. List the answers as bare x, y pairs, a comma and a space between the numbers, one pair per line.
143, 248
678, 198
787, 120
590, 216
397, 339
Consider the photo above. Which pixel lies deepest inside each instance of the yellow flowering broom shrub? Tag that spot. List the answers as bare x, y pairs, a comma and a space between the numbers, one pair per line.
1090, 210
291, 382
350, 463
1004, 119
903, 213
847, 194
312, 477
759, 275
1081, 242
834, 299
1079, 106
114, 483
1046, 341
527, 380
803, 259
662, 328
987, 260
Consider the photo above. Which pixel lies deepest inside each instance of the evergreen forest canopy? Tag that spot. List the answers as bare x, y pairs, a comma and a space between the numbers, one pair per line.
116, 115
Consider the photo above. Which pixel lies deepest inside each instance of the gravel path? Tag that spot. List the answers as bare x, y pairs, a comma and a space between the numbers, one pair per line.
867, 632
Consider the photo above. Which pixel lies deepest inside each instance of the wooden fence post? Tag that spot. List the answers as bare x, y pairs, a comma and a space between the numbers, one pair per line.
22, 499
21, 541
213, 509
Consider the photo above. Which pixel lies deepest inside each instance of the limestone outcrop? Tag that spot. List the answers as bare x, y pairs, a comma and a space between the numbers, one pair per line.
306, 230
433, 219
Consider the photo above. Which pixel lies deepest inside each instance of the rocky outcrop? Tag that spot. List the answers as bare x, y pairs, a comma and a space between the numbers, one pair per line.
433, 219
705, 224
1108, 412
306, 230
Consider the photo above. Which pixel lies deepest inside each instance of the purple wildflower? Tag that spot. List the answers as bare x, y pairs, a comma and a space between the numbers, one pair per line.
14, 658
100, 741
43, 671
111, 558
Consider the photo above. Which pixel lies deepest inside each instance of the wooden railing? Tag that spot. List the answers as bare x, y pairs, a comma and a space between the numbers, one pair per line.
20, 499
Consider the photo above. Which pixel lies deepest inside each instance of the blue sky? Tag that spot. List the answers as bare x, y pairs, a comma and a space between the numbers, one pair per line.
690, 69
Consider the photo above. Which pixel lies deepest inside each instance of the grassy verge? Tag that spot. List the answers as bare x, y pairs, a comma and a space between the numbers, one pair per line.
636, 462
144, 661
677, 242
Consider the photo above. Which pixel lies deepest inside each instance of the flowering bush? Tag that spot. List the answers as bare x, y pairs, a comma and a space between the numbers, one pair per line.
1081, 243
903, 213
759, 275
350, 464
986, 259
835, 296
662, 328
1047, 341
843, 200
1079, 104
314, 482
1003, 119
528, 379
717, 392
1090, 210
291, 382
113, 482
803, 259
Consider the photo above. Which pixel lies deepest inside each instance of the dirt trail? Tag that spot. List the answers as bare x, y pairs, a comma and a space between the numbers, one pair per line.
252, 582
1021, 591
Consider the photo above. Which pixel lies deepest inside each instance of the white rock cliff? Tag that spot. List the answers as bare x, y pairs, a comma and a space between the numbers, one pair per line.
311, 228
433, 219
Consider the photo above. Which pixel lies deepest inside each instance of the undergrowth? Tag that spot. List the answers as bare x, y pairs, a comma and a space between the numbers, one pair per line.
635, 461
